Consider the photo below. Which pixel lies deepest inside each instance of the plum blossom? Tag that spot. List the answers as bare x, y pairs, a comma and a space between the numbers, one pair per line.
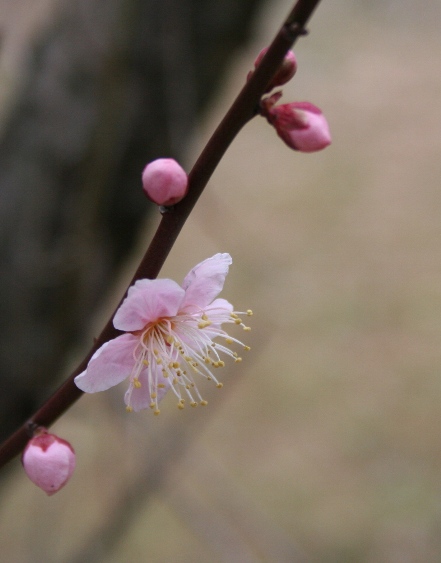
169, 338
48, 461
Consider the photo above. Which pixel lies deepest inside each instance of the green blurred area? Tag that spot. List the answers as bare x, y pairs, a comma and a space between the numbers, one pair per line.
324, 443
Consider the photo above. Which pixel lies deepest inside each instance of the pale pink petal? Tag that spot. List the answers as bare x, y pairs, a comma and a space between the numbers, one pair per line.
110, 365
146, 302
139, 398
205, 281
219, 306
218, 312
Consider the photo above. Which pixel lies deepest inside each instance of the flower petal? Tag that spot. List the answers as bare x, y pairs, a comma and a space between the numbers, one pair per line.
218, 312
147, 301
110, 365
205, 281
139, 398
219, 306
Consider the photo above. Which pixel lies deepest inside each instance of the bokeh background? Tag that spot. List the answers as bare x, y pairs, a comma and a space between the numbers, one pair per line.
324, 444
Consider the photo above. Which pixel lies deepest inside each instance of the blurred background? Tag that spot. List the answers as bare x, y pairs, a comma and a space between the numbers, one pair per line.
323, 444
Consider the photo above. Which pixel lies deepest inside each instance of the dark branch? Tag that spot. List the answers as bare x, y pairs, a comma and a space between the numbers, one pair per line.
244, 108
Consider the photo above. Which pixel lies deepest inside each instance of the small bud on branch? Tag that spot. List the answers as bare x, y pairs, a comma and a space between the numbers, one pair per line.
286, 70
301, 125
48, 461
164, 181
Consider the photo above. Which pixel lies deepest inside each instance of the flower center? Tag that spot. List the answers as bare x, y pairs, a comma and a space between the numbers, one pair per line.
172, 350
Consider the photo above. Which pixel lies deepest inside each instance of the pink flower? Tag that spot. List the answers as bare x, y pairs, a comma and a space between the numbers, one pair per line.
48, 461
301, 125
169, 333
286, 70
164, 181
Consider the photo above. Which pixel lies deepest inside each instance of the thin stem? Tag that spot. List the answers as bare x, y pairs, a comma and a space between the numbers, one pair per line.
244, 108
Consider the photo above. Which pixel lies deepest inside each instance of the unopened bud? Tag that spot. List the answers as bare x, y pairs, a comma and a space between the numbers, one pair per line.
285, 72
48, 461
301, 125
164, 181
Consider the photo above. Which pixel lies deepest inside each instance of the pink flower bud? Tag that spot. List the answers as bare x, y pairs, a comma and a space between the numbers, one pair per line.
301, 125
164, 181
48, 461
286, 70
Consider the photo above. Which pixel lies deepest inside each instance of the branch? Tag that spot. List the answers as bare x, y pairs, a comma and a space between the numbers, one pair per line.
244, 108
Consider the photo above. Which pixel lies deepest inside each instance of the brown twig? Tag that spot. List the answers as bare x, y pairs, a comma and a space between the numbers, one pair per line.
243, 109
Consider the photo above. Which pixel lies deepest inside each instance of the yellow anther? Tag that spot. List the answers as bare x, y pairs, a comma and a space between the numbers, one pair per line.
164, 373
219, 385
193, 404
204, 324
234, 316
221, 363
204, 403
249, 312
237, 321
129, 408
207, 360
153, 395
137, 383
180, 405
228, 340
169, 339
204, 317
247, 328
145, 362
161, 386
238, 359
175, 365
156, 412
247, 348
152, 405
